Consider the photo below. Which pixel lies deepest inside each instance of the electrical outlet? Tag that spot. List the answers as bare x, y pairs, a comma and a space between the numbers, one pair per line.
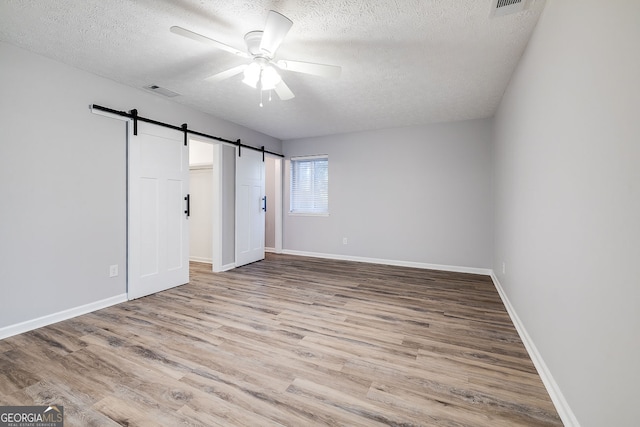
504, 267
344, 241
113, 270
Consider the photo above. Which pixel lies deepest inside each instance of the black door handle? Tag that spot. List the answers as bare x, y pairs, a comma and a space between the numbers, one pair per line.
264, 203
188, 211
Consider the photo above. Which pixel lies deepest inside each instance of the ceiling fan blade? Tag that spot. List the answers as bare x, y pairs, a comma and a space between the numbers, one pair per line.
283, 91
321, 70
202, 39
227, 73
275, 29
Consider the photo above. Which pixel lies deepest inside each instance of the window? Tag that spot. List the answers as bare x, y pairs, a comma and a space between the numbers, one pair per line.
310, 185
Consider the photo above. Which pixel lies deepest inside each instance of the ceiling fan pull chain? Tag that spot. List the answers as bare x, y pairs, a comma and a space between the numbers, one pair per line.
260, 86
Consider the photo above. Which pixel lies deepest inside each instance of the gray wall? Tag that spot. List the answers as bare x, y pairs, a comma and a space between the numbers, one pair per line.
416, 194
270, 191
567, 191
62, 181
228, 205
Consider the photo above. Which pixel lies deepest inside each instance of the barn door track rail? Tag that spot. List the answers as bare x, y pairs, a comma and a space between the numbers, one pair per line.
133, 114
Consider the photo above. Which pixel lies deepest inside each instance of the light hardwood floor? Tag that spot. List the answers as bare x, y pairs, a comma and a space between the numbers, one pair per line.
287, 341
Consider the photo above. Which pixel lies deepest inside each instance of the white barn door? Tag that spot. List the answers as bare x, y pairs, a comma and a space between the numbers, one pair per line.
158, 254
250, 207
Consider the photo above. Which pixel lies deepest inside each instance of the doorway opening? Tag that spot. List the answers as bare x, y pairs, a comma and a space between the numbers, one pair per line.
212, 189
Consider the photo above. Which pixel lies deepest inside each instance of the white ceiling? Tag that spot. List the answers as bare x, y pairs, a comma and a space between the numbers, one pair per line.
404, 62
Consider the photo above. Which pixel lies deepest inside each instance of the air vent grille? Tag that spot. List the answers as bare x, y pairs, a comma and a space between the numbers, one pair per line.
507, 7
504, 3
161, 91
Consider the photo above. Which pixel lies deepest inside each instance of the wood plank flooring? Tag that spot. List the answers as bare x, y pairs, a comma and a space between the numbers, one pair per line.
287, 341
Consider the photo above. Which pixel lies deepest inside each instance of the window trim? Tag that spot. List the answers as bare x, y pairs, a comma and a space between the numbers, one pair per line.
291, 168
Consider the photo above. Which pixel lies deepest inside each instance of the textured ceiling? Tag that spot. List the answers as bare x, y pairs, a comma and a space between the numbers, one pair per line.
404, 62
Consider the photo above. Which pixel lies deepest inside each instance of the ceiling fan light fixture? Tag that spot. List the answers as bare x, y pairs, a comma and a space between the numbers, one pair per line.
252, 75
269, 78
262, 76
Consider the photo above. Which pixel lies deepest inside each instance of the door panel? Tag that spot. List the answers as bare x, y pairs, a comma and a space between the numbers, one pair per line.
175, 224
158, 225
243, 232
256, 239
250, 216
148, 227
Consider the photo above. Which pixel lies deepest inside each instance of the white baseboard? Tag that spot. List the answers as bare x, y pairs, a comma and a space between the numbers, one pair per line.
224, 268
227, 267
49, 319
562, 406
199, 259
270, 250
453, 268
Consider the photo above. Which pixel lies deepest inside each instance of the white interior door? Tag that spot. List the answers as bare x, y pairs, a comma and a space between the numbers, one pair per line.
201, 218
250, 207
158, 224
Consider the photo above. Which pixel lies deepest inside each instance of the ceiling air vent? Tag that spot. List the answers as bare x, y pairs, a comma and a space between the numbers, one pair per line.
161, 91
507, 7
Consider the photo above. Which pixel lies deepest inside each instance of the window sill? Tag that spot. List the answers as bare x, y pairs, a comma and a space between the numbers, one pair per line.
308, 214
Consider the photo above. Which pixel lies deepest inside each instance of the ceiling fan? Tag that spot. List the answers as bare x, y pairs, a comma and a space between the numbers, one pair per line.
262, 72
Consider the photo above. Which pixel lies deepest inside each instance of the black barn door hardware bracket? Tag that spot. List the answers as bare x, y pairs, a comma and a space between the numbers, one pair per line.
186, 132
134, 115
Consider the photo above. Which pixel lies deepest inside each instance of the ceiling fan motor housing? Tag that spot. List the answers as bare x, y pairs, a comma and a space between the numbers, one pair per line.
253, 39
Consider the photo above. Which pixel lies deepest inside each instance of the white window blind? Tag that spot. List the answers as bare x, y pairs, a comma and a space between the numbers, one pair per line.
310, 185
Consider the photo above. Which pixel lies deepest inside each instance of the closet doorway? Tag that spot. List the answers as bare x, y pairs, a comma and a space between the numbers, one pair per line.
212, 198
